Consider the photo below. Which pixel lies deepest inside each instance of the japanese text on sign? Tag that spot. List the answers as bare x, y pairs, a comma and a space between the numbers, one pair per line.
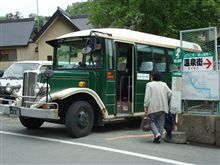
198, 61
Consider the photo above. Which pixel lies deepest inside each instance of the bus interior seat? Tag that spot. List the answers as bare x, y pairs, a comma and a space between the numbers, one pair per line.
121, 80
160, 67
121, 67
146, 66
172, 67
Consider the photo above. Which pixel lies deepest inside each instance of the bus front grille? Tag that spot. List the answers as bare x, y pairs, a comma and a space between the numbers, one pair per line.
30, 78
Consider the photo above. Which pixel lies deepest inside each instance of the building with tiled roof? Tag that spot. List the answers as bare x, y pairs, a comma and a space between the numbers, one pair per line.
19, 39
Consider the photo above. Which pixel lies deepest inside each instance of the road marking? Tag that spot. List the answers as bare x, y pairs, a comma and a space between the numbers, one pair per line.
4, 118
99, 148
130, 136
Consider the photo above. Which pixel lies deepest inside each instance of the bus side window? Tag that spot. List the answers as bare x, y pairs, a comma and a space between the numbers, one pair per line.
109, 48
159, 59
171, 66
146, 66
145, 58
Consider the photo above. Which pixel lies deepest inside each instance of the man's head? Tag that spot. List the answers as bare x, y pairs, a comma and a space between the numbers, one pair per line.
156, 76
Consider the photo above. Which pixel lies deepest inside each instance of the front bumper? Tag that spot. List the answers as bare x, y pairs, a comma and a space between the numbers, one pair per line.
29, 112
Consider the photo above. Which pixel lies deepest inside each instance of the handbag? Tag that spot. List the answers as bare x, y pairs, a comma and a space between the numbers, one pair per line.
145, 124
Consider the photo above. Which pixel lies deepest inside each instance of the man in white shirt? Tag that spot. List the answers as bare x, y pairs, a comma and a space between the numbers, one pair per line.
156, 98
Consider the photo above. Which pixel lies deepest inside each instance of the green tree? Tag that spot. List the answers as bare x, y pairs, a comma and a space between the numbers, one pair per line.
79, 8
116, 13
159, 17
17, 15
2, 18
9, 16
32, 15
41, 20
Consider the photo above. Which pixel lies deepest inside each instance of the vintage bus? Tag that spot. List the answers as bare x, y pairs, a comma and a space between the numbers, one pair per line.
98, 75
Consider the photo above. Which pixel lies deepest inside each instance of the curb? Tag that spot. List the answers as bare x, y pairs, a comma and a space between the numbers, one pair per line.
177, 137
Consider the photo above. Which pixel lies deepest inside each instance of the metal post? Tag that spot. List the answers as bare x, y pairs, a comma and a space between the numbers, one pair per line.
47, 90
216, 50
38, 28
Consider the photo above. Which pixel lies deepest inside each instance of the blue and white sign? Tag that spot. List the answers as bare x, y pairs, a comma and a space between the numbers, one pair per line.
198, 61
200, 85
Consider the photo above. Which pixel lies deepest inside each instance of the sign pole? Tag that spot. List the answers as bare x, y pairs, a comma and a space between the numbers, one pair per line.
176, 87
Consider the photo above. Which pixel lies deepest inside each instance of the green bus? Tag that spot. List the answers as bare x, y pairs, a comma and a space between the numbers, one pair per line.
98, 75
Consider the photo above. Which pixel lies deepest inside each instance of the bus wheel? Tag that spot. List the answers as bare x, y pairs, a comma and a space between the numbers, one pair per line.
31, 123
79, 119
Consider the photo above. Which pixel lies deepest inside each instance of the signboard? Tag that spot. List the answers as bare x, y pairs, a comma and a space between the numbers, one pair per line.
143, 76
200, 85
175, 104
198, 61
178, 56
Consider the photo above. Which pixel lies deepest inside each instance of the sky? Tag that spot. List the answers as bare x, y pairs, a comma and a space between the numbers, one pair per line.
25, 7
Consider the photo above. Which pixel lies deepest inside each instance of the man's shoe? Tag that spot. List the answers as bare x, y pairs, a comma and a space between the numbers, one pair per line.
157, 139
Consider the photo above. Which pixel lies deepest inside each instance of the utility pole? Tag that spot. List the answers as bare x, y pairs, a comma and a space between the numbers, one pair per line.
37, 18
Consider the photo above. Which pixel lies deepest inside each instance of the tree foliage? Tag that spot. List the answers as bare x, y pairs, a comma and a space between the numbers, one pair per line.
40, 19
2, 18
79, 8
17, 15
159, 17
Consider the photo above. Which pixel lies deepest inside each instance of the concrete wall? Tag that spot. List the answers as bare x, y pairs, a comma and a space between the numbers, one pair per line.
203, 129
217, 128
56, 29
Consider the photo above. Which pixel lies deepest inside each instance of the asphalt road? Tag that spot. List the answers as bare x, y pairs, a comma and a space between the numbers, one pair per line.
116, 143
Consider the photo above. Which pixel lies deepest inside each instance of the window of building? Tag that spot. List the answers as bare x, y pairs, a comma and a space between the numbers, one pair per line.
8, 55
50, 58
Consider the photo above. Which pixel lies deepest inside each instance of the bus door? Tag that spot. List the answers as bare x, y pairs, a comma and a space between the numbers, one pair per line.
124, 78
144, 68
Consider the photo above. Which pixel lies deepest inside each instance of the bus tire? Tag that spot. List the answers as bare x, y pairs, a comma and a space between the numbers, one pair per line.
31, 123
79, 119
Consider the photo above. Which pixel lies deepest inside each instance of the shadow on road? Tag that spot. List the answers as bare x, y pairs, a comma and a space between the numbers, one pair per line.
59, 131
128, 124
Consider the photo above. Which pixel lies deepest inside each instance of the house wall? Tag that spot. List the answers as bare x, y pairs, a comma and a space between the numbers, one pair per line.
56, 29
25, 53
5, 65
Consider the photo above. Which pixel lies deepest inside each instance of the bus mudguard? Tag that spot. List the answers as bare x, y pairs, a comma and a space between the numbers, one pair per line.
60, 95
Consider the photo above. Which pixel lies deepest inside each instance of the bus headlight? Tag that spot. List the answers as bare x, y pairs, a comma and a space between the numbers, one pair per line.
8, 88
16, 88
40, 88
36, 88
12, 88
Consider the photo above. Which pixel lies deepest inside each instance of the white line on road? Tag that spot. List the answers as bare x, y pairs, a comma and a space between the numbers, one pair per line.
100, 148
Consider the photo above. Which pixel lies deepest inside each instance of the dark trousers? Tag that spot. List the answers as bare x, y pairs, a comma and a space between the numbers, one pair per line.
157, 122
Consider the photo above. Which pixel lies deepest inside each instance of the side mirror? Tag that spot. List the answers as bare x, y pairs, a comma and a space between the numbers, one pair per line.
48, 73
1, 73
86, 50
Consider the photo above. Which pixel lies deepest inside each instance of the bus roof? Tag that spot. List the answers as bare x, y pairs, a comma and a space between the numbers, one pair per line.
131, 36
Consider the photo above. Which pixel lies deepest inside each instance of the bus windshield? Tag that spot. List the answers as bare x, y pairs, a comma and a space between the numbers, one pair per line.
77, 55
